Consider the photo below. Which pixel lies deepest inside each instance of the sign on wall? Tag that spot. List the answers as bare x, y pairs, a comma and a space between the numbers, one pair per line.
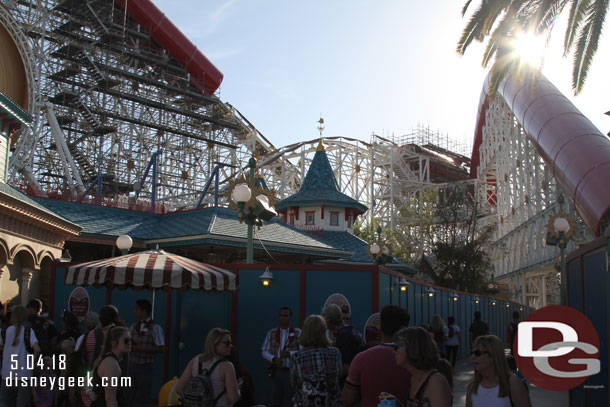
340, 300
78, 302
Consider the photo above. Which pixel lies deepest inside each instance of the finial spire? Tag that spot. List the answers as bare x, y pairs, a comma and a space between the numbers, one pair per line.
321, 126
320, 129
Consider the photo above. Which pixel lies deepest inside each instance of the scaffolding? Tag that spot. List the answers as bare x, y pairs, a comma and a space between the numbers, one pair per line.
118, 97
107, 98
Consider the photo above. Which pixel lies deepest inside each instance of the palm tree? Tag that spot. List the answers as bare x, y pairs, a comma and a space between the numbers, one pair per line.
502, 21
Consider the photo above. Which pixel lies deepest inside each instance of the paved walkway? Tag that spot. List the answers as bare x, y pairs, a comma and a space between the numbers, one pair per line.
463, 374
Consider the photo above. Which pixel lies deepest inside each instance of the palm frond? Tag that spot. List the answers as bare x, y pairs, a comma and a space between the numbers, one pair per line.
503, 63
472, 29
547, 14
465, 8
577, 14
490, 53
588, 42
500, 34
497, 8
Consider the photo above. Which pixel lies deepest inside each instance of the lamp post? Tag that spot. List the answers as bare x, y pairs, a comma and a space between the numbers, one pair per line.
253, 206
379, 250
562, 226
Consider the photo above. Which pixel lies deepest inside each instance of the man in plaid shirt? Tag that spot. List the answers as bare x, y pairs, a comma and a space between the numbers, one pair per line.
279, 344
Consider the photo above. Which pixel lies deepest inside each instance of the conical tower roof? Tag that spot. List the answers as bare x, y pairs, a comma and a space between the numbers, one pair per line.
320, 187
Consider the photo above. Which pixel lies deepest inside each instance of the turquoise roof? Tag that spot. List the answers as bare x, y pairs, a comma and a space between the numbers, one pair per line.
24, 199
320, 188
102, 220
206, 225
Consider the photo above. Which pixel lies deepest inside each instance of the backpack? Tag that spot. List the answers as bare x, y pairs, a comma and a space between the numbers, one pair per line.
314, 390
199, 391
41, 329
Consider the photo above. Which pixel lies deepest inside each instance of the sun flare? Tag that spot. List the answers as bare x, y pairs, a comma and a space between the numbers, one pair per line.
531, 48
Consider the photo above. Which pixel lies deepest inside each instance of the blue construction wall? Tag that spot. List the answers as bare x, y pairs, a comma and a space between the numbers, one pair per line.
252, 311
191, 313
588, 286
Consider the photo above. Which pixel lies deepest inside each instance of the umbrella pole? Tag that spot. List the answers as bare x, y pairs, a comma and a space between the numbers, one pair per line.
152, 314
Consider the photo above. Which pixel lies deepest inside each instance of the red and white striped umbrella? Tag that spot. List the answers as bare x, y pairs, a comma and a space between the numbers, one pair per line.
153, 269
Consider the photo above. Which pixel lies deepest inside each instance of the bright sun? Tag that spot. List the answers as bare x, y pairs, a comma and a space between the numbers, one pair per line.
531, 48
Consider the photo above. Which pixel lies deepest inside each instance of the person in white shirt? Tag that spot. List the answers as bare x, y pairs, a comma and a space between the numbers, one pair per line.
279, 344
20, 341
147, 340
494, 385
452, 344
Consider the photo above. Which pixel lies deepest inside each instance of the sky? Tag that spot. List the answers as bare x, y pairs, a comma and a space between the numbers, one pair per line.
366, 67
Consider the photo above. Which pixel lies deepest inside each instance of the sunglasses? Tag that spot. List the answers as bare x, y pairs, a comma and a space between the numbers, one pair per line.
396, 345
478, 353
127, 341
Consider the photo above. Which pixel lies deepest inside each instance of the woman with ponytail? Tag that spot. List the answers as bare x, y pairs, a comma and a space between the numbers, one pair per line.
20, 341
107, 373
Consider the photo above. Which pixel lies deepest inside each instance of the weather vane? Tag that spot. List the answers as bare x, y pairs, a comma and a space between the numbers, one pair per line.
321, 125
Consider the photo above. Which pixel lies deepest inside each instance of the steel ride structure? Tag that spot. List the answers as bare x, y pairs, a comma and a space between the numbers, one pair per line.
532, 146
124, 99
115, 94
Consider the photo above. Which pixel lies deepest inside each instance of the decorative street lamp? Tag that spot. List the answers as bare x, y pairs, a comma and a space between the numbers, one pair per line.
267, 277
253, 205
124, 243
379, 250
403, 284
562, 227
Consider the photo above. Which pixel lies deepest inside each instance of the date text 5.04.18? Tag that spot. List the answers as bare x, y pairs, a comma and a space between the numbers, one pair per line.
40, 362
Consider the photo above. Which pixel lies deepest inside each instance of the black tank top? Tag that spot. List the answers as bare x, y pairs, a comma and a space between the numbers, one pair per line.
100, 401
417, 400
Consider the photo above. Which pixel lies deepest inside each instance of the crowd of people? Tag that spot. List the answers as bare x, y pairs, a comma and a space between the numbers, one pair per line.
98, 361
326, 363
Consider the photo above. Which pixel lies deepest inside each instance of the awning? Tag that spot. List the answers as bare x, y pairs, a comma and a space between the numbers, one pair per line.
152, 269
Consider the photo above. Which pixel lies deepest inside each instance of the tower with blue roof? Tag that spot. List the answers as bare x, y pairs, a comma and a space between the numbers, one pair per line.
319, 205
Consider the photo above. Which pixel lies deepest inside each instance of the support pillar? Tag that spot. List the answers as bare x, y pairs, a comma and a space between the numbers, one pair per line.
543, 283
26, 278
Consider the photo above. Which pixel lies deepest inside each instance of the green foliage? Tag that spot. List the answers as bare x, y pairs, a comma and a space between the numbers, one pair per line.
442, 225
458, 260
460, 265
